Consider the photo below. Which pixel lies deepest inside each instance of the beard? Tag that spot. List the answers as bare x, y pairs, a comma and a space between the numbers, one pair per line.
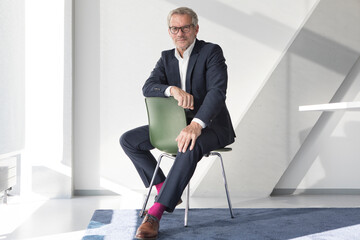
182, 43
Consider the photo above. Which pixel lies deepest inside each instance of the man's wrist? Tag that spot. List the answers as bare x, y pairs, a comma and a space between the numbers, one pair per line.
198, 121
167, 92
171, 90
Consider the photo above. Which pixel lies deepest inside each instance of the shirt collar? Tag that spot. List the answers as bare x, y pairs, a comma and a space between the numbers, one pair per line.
187, 52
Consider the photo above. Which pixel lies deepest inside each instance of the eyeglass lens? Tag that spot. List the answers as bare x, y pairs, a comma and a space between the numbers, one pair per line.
184, 29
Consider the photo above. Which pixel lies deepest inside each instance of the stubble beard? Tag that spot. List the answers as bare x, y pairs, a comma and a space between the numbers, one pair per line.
182, 47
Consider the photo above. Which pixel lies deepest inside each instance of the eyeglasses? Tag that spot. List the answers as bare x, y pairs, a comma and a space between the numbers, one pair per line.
184, 29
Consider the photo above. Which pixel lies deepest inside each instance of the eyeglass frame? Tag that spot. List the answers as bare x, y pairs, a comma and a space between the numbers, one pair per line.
181, 28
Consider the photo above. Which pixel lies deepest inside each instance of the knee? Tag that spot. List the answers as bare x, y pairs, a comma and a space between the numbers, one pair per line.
197, 150
193, 156
124, 140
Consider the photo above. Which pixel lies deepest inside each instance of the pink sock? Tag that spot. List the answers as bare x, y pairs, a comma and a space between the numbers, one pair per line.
158, 187
157, 210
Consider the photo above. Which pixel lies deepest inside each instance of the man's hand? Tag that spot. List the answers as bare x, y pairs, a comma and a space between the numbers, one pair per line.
185, 100
190, 133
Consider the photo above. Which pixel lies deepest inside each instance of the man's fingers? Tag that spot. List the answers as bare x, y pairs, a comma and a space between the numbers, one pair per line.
186, 144
183, 142
180, 142
180, 101
191, 102
185, 100
180, 146
187, 135
193, 140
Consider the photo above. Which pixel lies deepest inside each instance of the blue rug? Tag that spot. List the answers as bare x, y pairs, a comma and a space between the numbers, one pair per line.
269, 223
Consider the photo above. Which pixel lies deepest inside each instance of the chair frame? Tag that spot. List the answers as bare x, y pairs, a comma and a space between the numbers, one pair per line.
170, 152
212, 153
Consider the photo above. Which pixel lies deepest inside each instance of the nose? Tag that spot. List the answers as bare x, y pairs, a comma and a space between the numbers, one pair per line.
180, 33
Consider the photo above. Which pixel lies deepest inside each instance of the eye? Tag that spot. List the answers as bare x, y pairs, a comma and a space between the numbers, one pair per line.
174, 29
186, 28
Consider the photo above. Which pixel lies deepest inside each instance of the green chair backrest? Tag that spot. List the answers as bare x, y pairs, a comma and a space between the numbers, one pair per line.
166, 120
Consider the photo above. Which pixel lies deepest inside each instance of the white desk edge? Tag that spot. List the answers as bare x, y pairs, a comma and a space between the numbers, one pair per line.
331, 106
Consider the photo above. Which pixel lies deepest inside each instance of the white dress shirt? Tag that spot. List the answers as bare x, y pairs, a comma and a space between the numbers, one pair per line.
183, 65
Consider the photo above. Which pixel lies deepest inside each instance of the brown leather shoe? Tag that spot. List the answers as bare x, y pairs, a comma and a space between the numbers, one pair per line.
149, 228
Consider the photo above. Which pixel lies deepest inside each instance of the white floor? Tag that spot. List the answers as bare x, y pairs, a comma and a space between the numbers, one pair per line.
42, 219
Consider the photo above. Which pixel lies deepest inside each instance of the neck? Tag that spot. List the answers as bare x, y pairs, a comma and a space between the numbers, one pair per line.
181, 52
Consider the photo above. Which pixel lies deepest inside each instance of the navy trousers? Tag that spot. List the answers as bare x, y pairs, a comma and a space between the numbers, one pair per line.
136, 144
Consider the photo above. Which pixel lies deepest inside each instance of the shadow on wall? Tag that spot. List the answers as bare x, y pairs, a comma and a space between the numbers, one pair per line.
345, 144
238, 21
320, 133
314, 69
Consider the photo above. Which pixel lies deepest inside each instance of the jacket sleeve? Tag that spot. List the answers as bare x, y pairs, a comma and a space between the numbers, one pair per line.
157, 83
216, 85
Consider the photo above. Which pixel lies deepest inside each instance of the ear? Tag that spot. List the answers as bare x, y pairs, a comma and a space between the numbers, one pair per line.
197, 29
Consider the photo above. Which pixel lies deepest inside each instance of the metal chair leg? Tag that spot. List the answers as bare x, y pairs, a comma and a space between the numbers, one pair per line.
151, 185
152, 181
187, 205
225, 183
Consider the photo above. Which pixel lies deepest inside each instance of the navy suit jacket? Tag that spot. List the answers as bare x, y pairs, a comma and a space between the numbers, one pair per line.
206, 80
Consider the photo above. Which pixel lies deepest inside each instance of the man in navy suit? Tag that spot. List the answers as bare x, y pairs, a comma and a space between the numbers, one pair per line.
195, 74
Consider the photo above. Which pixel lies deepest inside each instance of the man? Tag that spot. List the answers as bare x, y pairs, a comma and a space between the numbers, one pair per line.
195, 74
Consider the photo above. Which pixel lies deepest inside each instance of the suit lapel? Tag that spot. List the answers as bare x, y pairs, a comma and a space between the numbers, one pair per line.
176, 72
192, 61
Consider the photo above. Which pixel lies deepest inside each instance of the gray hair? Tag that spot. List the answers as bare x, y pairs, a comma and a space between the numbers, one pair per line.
182, 11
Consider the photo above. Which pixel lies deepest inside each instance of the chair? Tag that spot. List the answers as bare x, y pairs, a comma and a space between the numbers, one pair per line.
166, 120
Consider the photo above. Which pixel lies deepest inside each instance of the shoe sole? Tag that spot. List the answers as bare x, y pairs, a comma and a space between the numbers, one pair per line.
146, 238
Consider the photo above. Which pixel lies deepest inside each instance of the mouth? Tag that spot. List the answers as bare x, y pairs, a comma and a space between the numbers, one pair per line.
181, 39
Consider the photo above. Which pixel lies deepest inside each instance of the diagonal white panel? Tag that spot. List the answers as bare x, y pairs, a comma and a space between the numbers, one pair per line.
319, 138
272, 130
256, 53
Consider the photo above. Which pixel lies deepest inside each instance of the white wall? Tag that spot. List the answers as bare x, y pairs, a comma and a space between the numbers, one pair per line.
86, 84
110, 71
253, 35
12, 76
328, 160
12, 82
49, 175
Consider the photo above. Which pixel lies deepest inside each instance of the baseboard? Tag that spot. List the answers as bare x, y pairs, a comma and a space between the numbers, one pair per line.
91, 192
315, 191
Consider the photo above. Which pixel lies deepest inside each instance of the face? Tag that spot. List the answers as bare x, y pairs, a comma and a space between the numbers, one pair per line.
183, 40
